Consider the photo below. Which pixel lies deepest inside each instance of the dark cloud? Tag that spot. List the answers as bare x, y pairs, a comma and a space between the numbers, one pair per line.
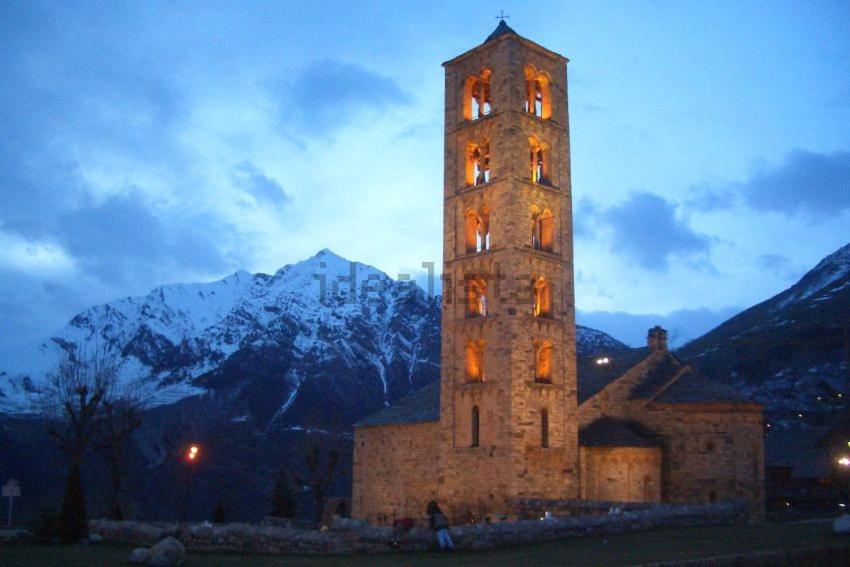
647, 230
778, 265
327, 95
259, 185
806, 182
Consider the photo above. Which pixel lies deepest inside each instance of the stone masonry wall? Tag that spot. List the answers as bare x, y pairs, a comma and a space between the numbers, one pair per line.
352, 536
395, 471
621, 474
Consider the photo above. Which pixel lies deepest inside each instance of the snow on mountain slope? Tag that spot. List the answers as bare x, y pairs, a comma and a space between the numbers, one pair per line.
321, 340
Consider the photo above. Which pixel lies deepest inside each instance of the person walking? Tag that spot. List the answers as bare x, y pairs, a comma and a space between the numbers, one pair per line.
440, 524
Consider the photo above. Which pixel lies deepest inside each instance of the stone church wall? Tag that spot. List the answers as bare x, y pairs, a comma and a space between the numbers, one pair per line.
395, 471
621, 474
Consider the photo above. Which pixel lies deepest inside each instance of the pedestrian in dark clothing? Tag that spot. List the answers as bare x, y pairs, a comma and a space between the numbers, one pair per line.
440, 524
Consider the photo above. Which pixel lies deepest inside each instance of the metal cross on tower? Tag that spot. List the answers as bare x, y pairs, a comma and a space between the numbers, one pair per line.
502, 16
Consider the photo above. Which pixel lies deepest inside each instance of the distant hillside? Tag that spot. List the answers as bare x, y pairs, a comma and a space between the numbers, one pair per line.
790, 351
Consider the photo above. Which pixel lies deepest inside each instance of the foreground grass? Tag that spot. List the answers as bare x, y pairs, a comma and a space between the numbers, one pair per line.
626, 549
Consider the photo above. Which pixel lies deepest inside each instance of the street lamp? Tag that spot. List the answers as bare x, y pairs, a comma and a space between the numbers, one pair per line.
844, 461
192, 455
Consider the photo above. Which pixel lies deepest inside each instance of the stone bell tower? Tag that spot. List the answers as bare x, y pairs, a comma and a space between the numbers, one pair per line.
508, 419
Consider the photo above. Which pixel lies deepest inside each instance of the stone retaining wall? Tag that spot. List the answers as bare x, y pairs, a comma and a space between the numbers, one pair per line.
352, 536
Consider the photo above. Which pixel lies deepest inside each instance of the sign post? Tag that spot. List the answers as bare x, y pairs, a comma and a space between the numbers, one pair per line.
11, 490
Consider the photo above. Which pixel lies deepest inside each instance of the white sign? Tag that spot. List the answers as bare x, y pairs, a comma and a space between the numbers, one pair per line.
12, 489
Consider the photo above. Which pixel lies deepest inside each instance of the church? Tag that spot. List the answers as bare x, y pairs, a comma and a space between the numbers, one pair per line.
516, 414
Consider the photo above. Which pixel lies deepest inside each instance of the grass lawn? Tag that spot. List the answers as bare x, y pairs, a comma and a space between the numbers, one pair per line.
626, 549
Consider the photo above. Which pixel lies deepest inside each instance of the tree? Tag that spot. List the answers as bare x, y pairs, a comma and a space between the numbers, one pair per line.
283, 498
73, 398
120, 419
321, 456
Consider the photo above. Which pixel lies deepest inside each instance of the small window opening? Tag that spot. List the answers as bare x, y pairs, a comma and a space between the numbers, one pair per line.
543, 231
476, 427
476, 297
544, 428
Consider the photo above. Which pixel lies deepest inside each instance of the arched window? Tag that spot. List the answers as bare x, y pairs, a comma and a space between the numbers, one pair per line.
477, 230
712, 496
538, 161
544, 428
543, 361
477, 163
538, 100
709, 447
475, 361
476, 96
476, 296
542, 230
476, 426
542, 291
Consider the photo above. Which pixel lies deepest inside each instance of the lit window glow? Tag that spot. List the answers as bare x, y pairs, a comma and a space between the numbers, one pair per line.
603, 360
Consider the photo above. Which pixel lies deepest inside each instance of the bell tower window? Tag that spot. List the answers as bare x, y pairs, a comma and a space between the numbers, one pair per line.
477, 231
477, 163
538, 100
476, 96
543, 361
538, 161
475, 361
542, 290
542, 230
476, 297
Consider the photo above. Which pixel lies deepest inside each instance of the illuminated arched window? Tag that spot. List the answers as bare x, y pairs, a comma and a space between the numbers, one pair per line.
475, 426
544, 427
477, 163
538, 161
542, 230
476, 296
538, 99
543, 361
477, 230
475, 361
542, 291
476, 96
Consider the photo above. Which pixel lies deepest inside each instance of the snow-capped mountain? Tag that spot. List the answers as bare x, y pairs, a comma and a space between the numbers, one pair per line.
790, 352
322, 339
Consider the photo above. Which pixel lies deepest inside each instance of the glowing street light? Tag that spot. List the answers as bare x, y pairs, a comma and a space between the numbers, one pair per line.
192, 455
844, 461
193, 452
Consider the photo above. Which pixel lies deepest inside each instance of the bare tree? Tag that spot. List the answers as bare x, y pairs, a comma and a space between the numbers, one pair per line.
73, 400
322, 456
119, 419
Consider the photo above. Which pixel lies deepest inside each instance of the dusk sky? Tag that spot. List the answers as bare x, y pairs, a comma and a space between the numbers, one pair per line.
162, 142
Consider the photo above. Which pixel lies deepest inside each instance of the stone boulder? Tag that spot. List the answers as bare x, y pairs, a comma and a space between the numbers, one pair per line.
140, 556
841, 525
167, 553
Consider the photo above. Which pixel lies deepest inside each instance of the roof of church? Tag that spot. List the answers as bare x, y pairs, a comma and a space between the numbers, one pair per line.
502, 29
611, 432
420, 406
691, 387
593, 377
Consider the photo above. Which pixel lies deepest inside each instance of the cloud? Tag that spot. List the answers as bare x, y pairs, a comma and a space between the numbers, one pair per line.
778, 265
328, 95
262, 187
647, 230
683, 325
706, 199
813, 183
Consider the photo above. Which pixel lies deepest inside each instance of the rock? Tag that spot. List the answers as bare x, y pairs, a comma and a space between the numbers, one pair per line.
140, 555
167, 552
841, 525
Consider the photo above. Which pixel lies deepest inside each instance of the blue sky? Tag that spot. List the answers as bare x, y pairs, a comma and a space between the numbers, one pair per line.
159, 142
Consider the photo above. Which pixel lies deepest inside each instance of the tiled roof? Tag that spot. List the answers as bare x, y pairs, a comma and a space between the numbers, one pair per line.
420, 406
694, 387
593, 377
610, 432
